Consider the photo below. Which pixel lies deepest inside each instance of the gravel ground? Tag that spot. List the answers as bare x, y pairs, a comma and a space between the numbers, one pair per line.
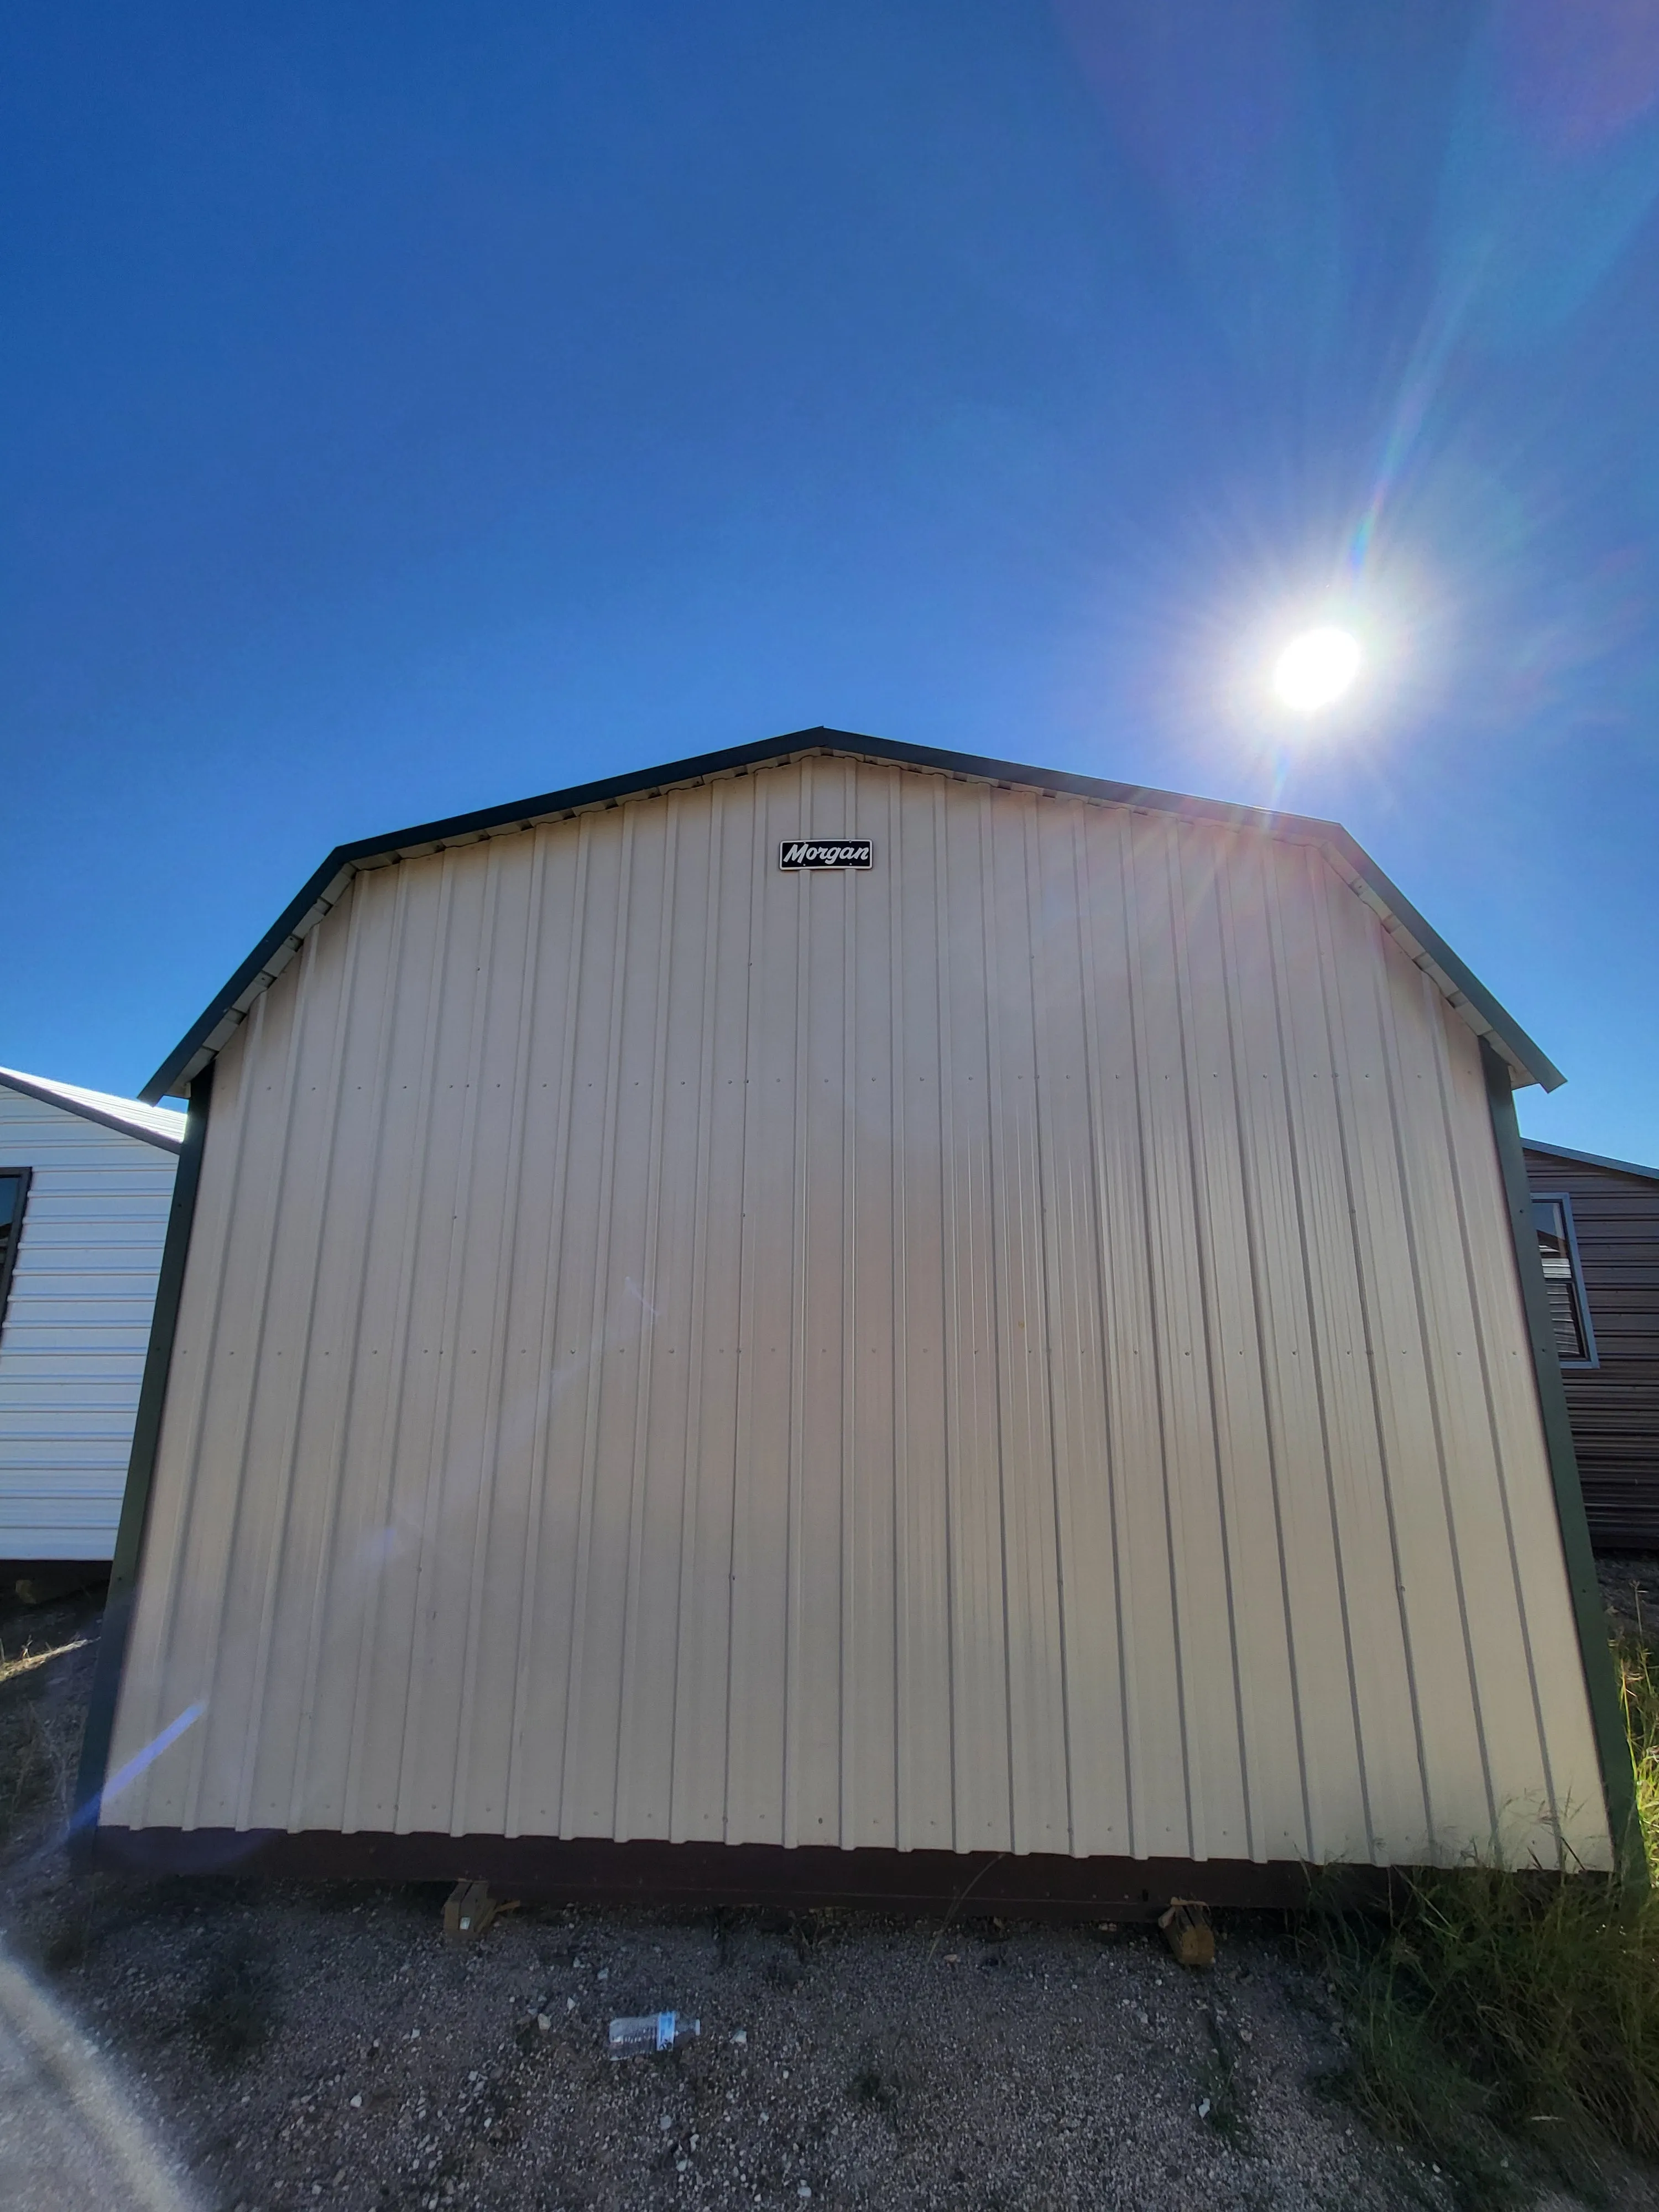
294, 2045
1629, 1590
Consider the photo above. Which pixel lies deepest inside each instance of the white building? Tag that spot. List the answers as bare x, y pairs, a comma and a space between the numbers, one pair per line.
85, 1181
845, 1319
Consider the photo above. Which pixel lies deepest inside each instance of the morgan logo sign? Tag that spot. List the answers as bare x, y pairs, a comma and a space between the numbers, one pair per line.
825, 853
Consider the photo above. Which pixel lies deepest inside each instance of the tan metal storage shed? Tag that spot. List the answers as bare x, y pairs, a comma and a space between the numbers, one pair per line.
992, 1350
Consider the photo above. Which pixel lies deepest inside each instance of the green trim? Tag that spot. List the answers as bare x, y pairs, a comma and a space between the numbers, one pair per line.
141, 1467
1606, 1713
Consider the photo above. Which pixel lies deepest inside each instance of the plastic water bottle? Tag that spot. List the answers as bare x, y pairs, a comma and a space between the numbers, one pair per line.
649, 2031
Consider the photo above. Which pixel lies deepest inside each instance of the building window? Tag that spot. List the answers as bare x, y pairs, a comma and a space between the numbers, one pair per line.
13, 1190
1564, 1280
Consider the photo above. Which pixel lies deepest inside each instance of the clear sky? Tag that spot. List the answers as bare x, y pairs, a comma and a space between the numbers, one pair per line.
408, 407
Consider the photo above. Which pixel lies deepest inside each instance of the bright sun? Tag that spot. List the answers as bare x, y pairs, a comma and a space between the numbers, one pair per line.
1315, 669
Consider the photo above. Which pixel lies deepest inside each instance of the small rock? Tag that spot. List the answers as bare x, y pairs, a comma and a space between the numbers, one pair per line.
605, 1974
740, 2035
543, 2022
666, 2122
357, 2102
803, 2193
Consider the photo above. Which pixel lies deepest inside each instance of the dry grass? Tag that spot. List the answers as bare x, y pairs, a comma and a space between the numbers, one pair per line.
32, 1657
39, 1734
1507, 2023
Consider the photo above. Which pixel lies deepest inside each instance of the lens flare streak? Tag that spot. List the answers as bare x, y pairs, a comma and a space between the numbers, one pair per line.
92, 1810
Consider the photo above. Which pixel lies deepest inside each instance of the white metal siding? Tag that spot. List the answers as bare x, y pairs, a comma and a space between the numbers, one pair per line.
76, 1326
1017, 1350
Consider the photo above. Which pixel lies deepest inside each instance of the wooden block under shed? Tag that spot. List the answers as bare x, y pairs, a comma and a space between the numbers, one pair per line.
468, 1911
1188, 1932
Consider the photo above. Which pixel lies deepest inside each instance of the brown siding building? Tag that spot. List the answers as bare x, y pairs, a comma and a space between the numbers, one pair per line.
1598, 1228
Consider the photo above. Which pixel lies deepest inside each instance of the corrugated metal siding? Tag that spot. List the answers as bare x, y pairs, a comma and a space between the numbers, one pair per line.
76, 1326
1615, 1407
1019, 1349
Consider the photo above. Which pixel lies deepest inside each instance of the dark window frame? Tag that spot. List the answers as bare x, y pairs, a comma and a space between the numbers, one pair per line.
8, 1258
1580, 1290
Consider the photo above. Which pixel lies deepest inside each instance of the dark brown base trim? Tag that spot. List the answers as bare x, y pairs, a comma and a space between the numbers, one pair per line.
600, 1872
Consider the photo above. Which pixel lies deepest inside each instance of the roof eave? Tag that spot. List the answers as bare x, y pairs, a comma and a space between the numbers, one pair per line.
12, 1081
1464, 990
1423, 946
1590, 1159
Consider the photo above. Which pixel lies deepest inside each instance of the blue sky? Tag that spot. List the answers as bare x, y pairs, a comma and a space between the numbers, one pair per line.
406, 409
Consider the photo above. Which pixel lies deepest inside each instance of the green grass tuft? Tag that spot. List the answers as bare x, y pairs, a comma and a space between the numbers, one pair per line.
1638, 1661
1506, 2023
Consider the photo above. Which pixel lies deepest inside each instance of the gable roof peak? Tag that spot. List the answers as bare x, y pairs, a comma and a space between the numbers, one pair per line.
1423, 946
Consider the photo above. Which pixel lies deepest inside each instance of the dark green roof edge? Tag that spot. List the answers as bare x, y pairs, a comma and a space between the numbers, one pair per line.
1588, 1159
274, 949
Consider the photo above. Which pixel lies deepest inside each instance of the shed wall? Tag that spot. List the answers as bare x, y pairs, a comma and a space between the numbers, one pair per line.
1615, 1405
76, 1326
1019, 1350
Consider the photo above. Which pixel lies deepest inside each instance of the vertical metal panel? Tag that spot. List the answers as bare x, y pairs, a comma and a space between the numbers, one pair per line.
1016, 1349
77, 1324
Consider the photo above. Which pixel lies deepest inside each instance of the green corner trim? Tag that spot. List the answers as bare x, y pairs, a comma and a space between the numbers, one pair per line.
141, 1469
1606, 1713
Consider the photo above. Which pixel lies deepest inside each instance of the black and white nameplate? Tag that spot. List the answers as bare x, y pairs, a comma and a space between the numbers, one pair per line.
825, 853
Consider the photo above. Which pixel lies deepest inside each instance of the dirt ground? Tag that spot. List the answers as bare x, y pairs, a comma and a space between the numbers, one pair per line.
1629, 1590
291, 2046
